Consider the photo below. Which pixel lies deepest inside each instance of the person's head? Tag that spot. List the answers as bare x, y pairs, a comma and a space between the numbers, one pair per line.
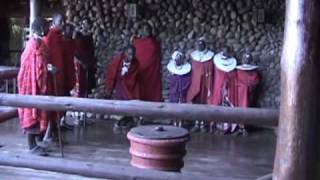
58, 21
85, 25
145, 30
178, 57
68, 31
130, 53
200, 44
246, 58
39, 28
227, 51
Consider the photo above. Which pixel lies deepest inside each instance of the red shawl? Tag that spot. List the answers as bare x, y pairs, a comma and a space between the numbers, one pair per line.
148, 57
201, 82
32, 80
81, 80
69, 67
246, 81
85, 50
223, 80
129, 81
54, 41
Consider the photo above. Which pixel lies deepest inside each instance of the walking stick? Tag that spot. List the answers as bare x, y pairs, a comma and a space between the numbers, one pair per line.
58, 120
86, 96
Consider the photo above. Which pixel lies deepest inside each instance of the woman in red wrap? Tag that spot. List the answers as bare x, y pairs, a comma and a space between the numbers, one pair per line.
247, 80
224, 86
201, 78
32, 80
148, 57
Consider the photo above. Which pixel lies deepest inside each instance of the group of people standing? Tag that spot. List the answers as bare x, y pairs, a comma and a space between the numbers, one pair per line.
211, 78
57, 60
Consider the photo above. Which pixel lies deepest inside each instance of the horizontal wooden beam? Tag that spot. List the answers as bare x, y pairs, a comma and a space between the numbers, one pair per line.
96, 170
251, 116
7, 113
8, 72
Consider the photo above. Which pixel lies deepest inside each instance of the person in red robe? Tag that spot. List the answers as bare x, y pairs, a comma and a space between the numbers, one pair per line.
179, 79
148, 57
56, 82
85, 61
32, 80
122, 76
122, 80
201, 78
247, 80
69, 48
54, 41
224, 86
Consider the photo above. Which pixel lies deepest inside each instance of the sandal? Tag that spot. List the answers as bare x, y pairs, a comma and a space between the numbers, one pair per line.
37, 150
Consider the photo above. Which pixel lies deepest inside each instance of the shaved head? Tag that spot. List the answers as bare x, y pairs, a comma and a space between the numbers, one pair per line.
58, 21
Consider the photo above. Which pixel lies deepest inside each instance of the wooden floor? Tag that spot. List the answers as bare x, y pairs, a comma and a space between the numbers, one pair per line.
220, 157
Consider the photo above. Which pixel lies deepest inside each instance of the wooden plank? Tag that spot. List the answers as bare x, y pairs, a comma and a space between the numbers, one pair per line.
25, 173
252, 116
7, 113
297, 154
96, 170
8, 72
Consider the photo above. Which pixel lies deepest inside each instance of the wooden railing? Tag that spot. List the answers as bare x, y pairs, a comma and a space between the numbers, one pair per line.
251, 116
8, 75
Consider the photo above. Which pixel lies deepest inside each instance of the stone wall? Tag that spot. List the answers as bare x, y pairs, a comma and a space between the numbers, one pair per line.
177, 23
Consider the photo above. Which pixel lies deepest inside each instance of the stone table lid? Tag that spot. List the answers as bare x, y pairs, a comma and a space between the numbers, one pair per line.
159, 132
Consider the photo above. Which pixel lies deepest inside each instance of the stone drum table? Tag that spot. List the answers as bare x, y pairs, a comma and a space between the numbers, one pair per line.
158, 147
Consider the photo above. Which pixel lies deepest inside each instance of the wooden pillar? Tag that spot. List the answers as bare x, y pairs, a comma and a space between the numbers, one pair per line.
298, 143
34, 11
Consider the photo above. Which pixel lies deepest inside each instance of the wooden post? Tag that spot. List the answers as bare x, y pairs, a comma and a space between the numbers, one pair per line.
252, 116
297, 153
34, 12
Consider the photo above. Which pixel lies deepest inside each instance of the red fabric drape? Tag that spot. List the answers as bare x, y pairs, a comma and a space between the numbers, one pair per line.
129, 81
32, 80
54, 42
81, 80
201, 82
148, 57
223, 80
69, 67
246, 81
85, 53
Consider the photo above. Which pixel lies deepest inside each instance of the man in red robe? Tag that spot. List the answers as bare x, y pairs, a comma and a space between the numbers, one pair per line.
148, 57
54, 41
69, 48
85, 61
122, 79
201, 77
224, 85
32, 80
247, 80
56, 82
